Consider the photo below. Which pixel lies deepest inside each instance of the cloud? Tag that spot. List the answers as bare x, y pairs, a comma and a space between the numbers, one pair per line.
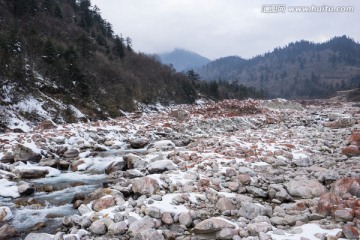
216, 28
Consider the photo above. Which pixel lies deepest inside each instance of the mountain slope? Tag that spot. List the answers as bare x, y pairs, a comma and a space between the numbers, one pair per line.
183, 60
300, 70
60, 57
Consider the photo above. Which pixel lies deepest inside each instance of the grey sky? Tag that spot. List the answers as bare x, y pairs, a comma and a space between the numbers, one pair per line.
219, 28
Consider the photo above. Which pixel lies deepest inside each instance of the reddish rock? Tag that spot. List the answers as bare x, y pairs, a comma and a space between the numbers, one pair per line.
354, 139
243, 179
224, 204
357, 212
344, 215
327, 203
350, 232
204, 182
45, 125
103, 203
357, 202
347, 187
351, 151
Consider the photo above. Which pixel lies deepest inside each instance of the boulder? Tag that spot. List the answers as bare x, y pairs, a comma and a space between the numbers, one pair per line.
161, 166
38, 236
32, 173
119, 165
98, 227
75, 165
305, 188
141, 225
354, 139
257, 192
230, 172
134, 173
71, 153
213, 225
251, 210
103, 203
277, 191
102, 192
327, 203
118, 228
225, 204
149, 234
243, 179
226, 233
345, 122
233, 186
25, 154
351, 151
8, 158
166, 218
5, 214
346, 187
71, 221
78, 196
25, 188
58, 139
256, 228
83, 209
350, 232
7, 232
163, 145
145, 186
134, 161
153, 212
139, 142
344, 215
185, 219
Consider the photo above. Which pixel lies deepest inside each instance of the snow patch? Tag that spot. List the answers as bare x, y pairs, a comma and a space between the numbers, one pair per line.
52, 171
308, 232
8, 189
165, 205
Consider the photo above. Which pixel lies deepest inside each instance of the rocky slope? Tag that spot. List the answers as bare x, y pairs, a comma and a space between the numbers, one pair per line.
230, 170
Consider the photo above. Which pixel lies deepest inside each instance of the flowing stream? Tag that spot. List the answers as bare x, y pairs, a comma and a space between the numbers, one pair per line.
44, 211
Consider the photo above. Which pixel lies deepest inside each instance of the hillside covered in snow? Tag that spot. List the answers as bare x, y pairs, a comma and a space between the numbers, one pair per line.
61, 60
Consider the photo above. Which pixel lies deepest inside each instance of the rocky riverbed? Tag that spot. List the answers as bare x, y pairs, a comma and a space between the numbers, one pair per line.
230, 170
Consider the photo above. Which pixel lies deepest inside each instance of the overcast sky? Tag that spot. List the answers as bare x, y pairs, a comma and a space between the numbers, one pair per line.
219, 28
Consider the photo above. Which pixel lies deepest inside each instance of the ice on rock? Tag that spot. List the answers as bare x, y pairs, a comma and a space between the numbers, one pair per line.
8, 189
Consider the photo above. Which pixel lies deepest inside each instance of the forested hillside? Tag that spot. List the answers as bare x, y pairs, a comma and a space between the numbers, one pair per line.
299, 70
62, 56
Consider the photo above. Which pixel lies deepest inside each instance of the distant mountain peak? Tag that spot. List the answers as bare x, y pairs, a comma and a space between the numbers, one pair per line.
183, 60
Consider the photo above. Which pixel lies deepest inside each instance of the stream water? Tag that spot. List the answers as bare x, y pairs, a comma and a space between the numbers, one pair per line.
44, 211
